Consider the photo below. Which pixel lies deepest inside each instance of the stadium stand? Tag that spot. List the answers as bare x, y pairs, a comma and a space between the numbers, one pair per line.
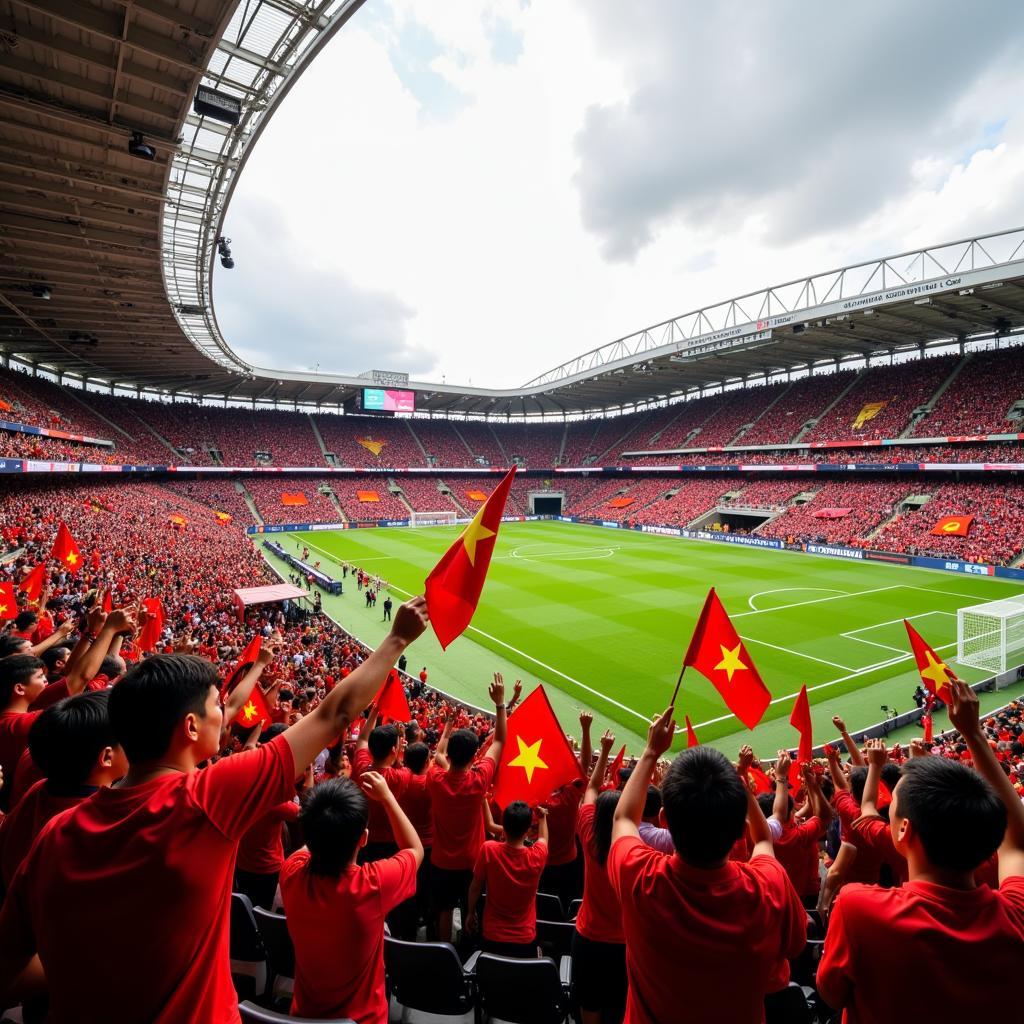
312, 506
387, 506
692, 498
737, 409
424, 494
370, 441
806, 399
442, 444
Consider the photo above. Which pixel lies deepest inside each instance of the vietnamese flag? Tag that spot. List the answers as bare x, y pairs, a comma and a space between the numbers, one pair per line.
536, 759
454, 585
108, 602
153, 627
8, 602
935, 673
691, 736
953, 526
800, 719
254, 710
616, 766
32, 584
66, 550
223, 518
251, 651
391, 700
762, 784
717, 653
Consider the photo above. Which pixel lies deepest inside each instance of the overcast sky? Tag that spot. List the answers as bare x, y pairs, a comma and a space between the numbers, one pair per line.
478, 190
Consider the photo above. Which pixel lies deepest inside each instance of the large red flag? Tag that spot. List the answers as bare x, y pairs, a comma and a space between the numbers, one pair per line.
935, 673
153, 627
691, 736
761, 781
8, 602
254, 710
454, 585
953, 526
32, 585
251, 651
66, 550
717, 653
537, 758
800, 719
391, 701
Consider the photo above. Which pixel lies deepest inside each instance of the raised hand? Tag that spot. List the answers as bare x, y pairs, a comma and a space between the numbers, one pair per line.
586, 719
374, 786
875, 752
607, 740
411, 620
782, 765
661, 732
496, 691
965, 709
918, 748
839, 723
746, 759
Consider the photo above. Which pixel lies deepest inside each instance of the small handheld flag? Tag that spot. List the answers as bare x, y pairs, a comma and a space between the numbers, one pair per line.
8, 602
454, 585
536, 759
32, 584
153, 627
65, 550
616, 766
251, 651
254, 710
391, 701
800, 719
691, 736
935, 673
717, 653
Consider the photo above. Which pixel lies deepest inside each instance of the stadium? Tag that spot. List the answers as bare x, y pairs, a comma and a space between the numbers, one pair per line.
190, 538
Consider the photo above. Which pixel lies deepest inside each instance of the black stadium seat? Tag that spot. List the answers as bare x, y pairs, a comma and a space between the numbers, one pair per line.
523, 991
253, 1014
273, 929
429, 977
249, 967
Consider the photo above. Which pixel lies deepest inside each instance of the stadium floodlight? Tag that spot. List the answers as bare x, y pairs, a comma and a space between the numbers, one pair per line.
224, 248
991, 636
138, 147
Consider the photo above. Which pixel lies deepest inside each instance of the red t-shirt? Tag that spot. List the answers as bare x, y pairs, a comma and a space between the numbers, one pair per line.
337, 928
415, 801
153, 863
397, 780
14, 727
58, 690
711, 937
874, 834
965, 950
797, 851
867, 863
563, 806
457, 804
510, 875
19, 829
600, 916
261, 849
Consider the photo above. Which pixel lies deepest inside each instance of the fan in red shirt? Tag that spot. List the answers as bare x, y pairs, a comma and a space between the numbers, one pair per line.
415, 802
336, 907
704, 934
509, 870
74, 746
599, 947
378, 749
964, 943
457, 786
22, 680
170, 832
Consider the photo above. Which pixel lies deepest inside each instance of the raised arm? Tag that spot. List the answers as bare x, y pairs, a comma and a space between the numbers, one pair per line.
542, 825
322, 726
963, 713
62, 632
835, 769
820, 807
630, 808
406, 837
780, 807
596, 780
89, 664
586, 746
243, 691
877, 756
87, 637
856, 757
496, 691
368, 726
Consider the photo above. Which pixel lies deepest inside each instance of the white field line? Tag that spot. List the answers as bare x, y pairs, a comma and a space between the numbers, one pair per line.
851, 634
798, 654
817, 600
784, 590
646, 719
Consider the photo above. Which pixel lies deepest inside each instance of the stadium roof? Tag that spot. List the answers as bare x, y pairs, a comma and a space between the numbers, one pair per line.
106, 257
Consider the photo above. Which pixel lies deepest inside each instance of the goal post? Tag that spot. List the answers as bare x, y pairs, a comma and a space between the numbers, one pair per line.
991, 636
432, 518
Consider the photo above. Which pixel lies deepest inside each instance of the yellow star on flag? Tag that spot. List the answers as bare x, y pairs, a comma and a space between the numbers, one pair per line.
249, 711
730, 662
528, 758
936, 671
3, 608
475, 533
952, 526
71, 558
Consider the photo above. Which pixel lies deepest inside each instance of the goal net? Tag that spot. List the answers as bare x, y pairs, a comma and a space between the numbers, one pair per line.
991, 636
432, 518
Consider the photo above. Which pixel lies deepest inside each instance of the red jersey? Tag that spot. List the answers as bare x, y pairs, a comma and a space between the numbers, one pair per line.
600, 916
261, 849
19, 829
26, 775
457, 806
510, 875
713, 937
416, 803
874, 834
563, 807
58, 690
965, 949
397, 780
797, 851
14, 727
337, 928
154, 863
868, 862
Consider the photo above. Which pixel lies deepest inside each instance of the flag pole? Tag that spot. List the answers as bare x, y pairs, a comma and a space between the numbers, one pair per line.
675, 692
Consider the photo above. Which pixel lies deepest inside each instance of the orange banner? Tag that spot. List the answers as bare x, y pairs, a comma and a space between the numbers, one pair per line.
620, 502
293, 498
374, 447
953, 526
476, 495
367, 495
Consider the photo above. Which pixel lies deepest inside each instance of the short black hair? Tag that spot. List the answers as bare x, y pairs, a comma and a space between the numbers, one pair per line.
24, 619
858, 777
462, 747
516, 819
604, 816
333, 818
705, 805
416, 755
957, 814
68, 737
766, 801
111, 666
412, 730
11, 644
153, 697
891, 774
653, 802
272, 732
383, 740
52, 655
15, 669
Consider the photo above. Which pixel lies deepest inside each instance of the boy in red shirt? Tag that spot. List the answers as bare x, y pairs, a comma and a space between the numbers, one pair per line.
457, 804
704, 934
152, 859
965, 942
336, 907
22, 679
377, 750
510, 871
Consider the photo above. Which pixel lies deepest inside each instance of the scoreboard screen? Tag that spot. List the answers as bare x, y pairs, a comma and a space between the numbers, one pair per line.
388, 400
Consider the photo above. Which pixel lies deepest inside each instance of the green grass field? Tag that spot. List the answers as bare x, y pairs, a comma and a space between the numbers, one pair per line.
603, 617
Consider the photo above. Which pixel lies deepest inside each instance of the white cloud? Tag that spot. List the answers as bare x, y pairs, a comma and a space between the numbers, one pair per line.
483, 190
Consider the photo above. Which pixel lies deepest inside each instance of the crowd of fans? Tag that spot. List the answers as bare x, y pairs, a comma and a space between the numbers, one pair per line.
806, 399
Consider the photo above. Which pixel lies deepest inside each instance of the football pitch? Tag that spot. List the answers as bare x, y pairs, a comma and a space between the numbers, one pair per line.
603, 617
